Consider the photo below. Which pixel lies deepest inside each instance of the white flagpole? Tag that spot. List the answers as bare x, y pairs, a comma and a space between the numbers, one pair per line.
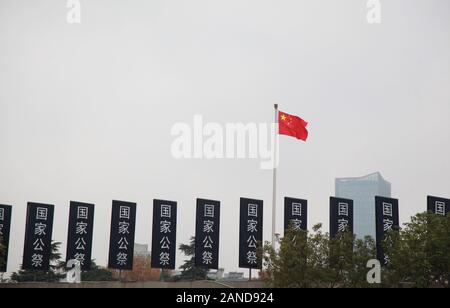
274, 192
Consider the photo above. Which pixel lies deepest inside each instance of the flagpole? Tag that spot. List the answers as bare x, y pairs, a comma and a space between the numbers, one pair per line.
274, 180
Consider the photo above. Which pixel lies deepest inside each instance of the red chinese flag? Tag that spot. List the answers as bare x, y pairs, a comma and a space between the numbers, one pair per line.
292, 126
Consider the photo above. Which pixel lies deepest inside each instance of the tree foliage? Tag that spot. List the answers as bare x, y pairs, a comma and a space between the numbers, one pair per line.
97, 273
310, 260
189, 270
53, 275
420, 253
419, 257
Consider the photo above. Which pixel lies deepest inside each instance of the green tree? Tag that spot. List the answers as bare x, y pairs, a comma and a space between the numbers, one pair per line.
97, 273
419, 256
420, 253
348, 260
189, 270
292, 255
53, 275
364, 250
307, 260
301, 262
318, 257
340, 260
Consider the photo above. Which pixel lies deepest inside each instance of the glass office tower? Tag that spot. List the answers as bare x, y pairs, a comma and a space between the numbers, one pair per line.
363, 191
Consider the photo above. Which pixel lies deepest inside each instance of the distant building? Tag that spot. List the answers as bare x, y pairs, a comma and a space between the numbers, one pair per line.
216, 275
362, 190
234, 276
141, 250
142, 269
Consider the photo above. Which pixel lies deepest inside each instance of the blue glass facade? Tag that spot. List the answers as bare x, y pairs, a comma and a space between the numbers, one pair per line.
362, 191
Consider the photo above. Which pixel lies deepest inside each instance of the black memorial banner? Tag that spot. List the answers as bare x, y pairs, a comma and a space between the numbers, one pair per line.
295, 214
437, 205
38, 237
207, 234
5, 229
251, 233
79, 240
123, 226
164, 236
341, 216
387, 220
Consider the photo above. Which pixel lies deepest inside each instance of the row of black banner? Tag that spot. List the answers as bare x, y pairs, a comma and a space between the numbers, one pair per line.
39, 226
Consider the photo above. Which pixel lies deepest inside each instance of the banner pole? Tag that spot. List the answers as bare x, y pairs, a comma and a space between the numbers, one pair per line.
274, 180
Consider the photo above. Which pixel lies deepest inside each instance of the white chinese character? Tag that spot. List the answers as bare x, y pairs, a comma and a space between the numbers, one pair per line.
165, 243
343, 225
440, 208
208, 226
387, 225
41, 213
39, 229
387, 209
207, 257
209, 211
38, 245
166, 211
1, 229
123, 243
251, 226
124, 212
207, 242
296, 224
122, 259
252, 242
165, 227
252, 258
80, 244
387, 259
82, 212
343, 209
80, 257
164, 258
81, 228
2, 214
123, 227
37, 260
252, 210
296, 209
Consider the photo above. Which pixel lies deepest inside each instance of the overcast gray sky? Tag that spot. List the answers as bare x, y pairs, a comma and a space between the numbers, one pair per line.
86, 110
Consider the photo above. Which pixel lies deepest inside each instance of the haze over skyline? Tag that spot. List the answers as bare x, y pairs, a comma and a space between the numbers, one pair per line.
86, 110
